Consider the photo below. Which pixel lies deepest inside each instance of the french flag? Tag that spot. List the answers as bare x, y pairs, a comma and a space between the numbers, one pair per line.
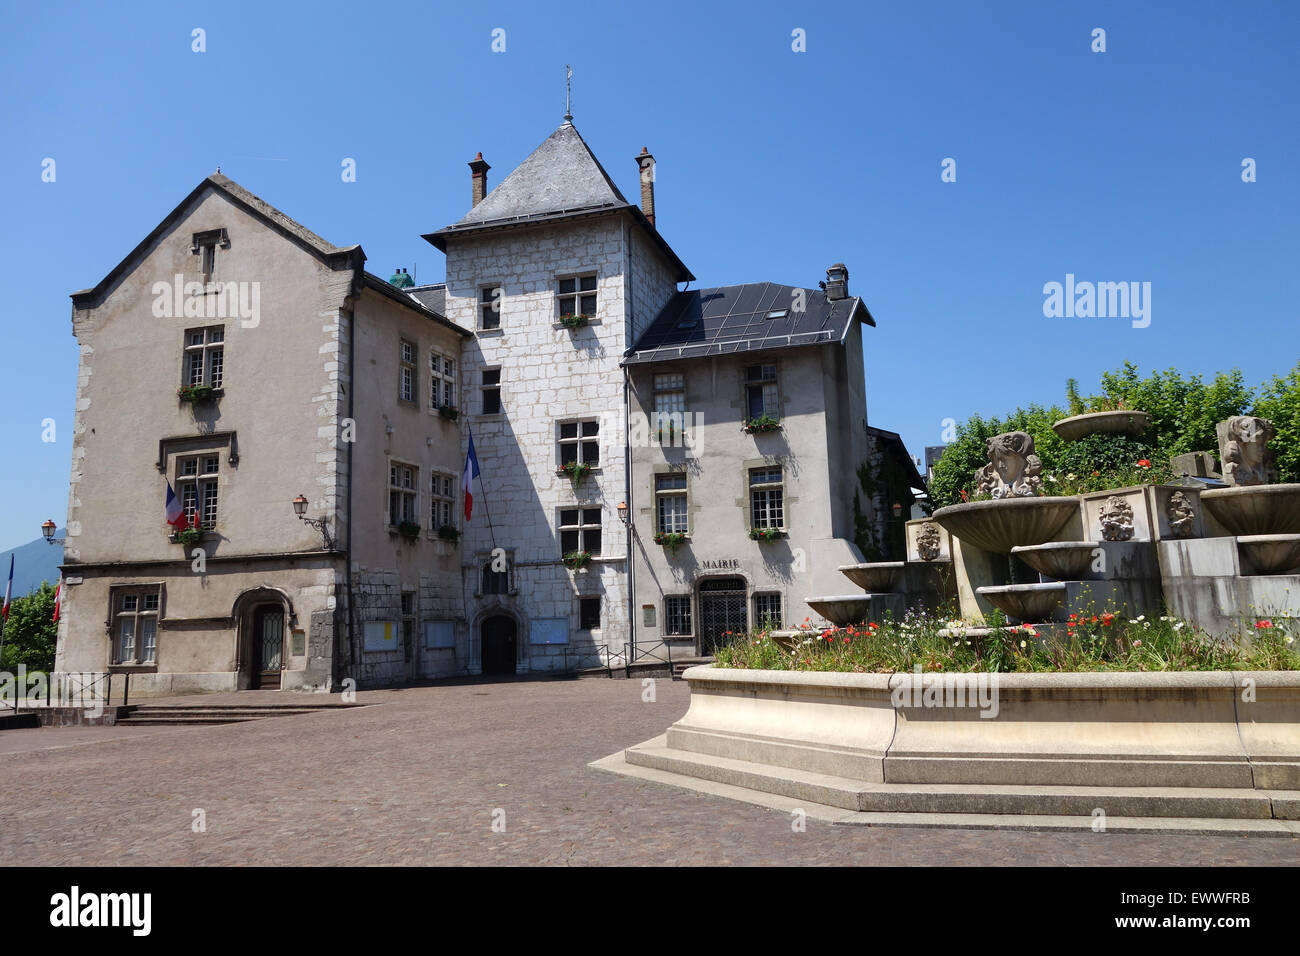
9, 588
175, 513
467, 482
58, 595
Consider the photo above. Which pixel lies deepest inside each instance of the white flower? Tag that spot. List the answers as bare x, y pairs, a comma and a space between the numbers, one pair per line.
1022, 643
1178, 626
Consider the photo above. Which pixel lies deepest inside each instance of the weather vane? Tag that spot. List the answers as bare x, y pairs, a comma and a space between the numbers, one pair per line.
568, 94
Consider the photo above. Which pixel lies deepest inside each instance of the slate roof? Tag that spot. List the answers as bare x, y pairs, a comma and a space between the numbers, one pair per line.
744, 318
433, 296
408, 298
560, 179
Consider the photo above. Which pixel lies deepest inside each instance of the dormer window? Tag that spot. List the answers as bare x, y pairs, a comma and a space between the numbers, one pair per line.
204, 245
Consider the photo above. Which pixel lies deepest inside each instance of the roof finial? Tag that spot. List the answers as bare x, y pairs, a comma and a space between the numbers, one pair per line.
218, 169
568, 94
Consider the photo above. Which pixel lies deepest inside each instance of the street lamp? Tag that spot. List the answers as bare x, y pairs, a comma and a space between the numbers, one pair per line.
898, 510
622, 512
47, 529
320, 524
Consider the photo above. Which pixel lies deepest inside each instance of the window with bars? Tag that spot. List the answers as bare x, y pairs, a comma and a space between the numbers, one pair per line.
767, 610
580, 442
406, 378
489, 307
491, 391
580, 530
577, 295
760, 392
442, 381
135, 625
442, 492
766, 497
670, 503
408, 624
197, 479
402, 494
205, 357
677, 615
589, 614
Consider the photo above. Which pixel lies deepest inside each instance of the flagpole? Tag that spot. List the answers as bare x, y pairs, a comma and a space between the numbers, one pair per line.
487, 512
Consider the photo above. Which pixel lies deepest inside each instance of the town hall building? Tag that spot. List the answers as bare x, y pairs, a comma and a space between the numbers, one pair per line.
660, 466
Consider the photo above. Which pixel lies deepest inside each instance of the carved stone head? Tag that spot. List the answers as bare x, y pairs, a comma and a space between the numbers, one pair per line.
1116, 519
1013, 468
1243, 447
928, 542
1181, 515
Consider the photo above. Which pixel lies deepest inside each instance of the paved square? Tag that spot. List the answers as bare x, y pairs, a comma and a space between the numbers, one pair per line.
415, 778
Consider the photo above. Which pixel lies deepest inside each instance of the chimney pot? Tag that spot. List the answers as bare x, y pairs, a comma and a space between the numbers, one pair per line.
646, 165
837, 282
478, 178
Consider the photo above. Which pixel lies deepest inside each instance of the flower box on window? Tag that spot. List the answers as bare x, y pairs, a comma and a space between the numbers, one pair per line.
409, 530
577, 559
575, 470
763, 423
449, 533
449, 411
195, 394
765, 534
575, 321
672, 540
187, 537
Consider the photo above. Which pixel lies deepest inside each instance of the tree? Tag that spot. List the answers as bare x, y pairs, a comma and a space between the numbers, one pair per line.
1279, 402
30, 632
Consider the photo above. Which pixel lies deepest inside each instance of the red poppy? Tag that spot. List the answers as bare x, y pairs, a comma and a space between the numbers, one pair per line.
1143, 463
1263, 625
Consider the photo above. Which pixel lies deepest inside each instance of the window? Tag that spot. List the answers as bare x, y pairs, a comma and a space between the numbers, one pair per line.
577, 295
766, 497
205, 357
670, 502
196, 486
135, 625
760, 392
677, 615
442, 381
588, 614
406, 372
408, 623
204, 245
580, 530
580, 442
669, 402
767, 610
443, 495
402, 494
489, 307
497, 581
491, 391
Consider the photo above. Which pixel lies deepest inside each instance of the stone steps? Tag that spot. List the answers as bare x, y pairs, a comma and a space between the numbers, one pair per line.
157, 715
990, 805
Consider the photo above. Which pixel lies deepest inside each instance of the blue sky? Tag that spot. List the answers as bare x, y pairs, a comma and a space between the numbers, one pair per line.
772, 164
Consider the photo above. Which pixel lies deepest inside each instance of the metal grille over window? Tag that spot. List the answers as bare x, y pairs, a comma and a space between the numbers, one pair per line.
670, 503
577, 296
766, 498
767, 610
580, 530
677, 615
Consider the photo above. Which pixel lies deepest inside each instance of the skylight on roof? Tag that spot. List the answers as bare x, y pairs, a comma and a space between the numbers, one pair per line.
778, 314
687, 323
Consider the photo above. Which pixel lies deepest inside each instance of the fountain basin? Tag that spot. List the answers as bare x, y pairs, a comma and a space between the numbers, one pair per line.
1122, 422
1031, 603
1004, 523
1061, 560
873, 576
1255, 509
842, 609
1271, 553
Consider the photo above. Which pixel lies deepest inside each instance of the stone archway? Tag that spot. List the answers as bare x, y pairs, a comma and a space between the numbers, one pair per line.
262, 617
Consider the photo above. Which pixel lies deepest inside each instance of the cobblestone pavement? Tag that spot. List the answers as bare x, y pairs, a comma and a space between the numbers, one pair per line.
415, 779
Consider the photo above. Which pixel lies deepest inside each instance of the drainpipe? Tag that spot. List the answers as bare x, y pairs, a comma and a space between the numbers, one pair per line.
631, 521
357, 279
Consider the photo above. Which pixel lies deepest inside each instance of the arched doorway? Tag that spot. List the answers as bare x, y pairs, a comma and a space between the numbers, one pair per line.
499, 637
268, 647
722, 609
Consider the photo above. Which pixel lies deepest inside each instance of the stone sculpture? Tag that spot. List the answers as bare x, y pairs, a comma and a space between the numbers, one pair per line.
1116, 519
1013, 468
1243, 448
1182, 518
928, 543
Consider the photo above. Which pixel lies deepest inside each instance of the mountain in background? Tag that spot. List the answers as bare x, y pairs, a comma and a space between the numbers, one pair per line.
34, 562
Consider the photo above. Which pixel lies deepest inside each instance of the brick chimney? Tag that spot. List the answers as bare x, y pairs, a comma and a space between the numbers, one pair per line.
646, 164
478, 176
837, 282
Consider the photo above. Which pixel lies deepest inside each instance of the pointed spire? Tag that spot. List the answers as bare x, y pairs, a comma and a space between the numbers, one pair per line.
568, 93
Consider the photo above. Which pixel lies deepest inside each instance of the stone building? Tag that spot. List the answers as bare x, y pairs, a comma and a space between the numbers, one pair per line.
246, 362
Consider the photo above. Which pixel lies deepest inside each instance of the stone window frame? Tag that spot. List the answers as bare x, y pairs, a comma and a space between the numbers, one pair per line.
767, 594
211, 353
687, 603
407, 366
658, 494
584, 599
482, 562
746, 383
202, 486
495, 301
655, 392
583, 528
116, 613
579, 295
440, 498
579, 441
484, 388
442, 381
204, 245
745, 503
412, 491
